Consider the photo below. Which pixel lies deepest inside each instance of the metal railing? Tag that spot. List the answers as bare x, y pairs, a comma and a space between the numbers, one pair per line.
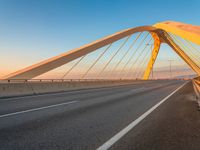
69, 80
196, 84
60, 80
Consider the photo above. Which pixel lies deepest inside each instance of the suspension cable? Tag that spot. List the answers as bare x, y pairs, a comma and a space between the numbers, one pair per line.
140, 54
185, 48
125, 54
113, 56
175, 45
130, 58
73, 66
96, 60
144, 60
192, 46
176, 40
196, 52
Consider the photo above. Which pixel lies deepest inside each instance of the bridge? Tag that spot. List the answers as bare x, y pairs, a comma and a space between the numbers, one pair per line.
108, 97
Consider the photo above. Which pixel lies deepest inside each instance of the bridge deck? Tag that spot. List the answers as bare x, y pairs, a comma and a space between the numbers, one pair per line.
87, 119
174, 125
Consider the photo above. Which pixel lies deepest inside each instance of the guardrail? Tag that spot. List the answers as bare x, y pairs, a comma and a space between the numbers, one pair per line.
196, 84
11, 88
59, 80
69, 80
18, 87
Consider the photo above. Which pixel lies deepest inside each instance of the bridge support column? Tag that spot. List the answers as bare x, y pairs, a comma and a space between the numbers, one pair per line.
154, 54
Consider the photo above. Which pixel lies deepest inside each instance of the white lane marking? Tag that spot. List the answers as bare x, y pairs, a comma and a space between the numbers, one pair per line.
120, 134
32, 96
36, 109
138, 89
146, 88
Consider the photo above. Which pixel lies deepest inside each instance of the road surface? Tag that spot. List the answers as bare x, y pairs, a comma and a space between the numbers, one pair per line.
93, 118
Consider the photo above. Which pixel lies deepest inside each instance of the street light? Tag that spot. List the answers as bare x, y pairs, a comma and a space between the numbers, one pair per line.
151, 46
170, 67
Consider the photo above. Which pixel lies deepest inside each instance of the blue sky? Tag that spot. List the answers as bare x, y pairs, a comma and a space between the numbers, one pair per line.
33, 30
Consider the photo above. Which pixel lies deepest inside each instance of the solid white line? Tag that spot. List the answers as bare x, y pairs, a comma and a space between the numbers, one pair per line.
120, 134
36, 109
138, 89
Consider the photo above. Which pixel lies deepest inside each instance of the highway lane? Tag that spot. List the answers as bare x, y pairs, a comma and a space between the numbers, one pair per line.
172, 126
82, 119
9, 105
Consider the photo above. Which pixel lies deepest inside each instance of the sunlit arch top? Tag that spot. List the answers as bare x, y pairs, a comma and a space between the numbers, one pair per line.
186, 31
158, 32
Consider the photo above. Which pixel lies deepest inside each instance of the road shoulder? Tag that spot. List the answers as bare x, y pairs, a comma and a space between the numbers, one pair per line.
172, 126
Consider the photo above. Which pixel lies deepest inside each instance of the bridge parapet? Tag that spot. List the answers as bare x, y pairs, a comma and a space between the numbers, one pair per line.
33, 87
196, 84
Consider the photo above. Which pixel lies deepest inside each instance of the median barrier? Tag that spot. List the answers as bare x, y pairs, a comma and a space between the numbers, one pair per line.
31, 88
196, 85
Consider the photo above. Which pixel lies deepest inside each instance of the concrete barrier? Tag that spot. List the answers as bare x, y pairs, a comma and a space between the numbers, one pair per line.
31, 88
196, 85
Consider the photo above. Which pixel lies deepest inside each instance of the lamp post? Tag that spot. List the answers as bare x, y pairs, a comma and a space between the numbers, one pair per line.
170, 67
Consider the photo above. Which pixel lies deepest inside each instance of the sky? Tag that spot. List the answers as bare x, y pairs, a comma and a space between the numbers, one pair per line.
34, 30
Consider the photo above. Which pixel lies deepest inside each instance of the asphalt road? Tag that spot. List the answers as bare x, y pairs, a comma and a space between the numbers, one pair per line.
174, 125
86, 119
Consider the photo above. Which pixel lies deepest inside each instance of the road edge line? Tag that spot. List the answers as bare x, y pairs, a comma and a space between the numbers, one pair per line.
36, 109
124, 131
